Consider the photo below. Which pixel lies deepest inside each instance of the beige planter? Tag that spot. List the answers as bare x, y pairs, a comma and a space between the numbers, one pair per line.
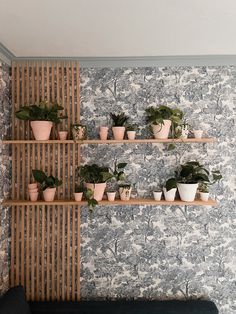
41, 130
103, 132
187, 192
111, 196
198, 133
204, 196
118, 132
33, 196
63, 135
157, 195
125, 193
98, 190
161, 131
78, 196
170, 195
49, 194
131, 135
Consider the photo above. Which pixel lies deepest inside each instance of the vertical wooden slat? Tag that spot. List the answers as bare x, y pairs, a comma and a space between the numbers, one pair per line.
37, 253
48, 254
58, 259
13, 217
27, 252
32, 258
43, 255
78, 92
68, 256
73, 255
17, 246
53, 253
27, 96
63, 254
23, 96
78, 253
22, 240
43, 82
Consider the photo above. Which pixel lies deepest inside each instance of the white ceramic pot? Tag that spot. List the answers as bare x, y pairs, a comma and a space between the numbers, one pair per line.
49, 194
103, 132
161, 131
78, 196
187, 191
169, 195
111, 196
118, 132
63, 135
198, 133
125, 193
157, 195
184, 132
98, 190
41, 129
131, 135
204, 196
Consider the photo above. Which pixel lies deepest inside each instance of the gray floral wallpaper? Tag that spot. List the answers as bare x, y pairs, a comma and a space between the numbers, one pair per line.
5, 118
157, 252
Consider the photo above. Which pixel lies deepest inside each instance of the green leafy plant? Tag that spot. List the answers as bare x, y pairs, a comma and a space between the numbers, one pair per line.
132, 127
94, 174
44, 180
215, 176
119, 119
157, 115
118, 172
41, 112
192, 172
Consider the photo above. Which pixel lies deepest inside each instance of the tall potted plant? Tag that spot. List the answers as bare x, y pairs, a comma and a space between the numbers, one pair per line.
95, 178
41, 117
48, 184
118, 128
162, 118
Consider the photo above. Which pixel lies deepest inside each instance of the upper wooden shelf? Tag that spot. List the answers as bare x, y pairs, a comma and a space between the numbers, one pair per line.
133, 201
97, 141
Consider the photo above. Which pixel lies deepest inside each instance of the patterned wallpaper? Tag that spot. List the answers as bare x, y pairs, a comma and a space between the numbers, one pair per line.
5, 118
158, 252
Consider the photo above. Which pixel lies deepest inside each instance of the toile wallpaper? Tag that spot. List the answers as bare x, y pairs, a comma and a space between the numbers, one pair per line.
158, 252
5, 118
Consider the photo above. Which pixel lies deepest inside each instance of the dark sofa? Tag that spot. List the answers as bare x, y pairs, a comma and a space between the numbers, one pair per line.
13, 302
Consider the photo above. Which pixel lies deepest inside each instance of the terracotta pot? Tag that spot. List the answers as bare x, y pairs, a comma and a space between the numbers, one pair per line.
32, 186
125, 193
78, 196
33, 196
63, 135
49, 194
204, 196
98, 190
169, 195
118, 132
187, 192
33, 190
131, 135
161, 131
111, 196
198, 133
103, 132
157, 195
41, 130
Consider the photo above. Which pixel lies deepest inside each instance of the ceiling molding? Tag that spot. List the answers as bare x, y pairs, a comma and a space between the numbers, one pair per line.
113, 62
6, 55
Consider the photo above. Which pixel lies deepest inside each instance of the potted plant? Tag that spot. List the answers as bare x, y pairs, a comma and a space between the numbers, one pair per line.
95, 177
184, 130
78, 194
79, 132
48, 184
161, 119
204, 185
41, 117
170, 189
118, 175
118, 129
103, 132
187, 179
131, 131
157, 193
125, 191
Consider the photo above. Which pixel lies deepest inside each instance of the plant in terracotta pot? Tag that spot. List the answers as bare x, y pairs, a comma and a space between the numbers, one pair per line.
161, 119
94, 178
118, 175
214, 177
118, 129
131, 130
41, 117
48, 184
79, 190
79, 132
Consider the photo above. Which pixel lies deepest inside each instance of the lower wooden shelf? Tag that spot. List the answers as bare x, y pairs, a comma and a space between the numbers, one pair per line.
133, 201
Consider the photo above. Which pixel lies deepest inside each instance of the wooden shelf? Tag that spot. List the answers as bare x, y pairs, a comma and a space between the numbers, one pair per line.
133, 201
97, 141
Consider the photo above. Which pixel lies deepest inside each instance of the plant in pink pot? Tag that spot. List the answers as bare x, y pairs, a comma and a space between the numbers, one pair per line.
118, 129
42, 116
48, 184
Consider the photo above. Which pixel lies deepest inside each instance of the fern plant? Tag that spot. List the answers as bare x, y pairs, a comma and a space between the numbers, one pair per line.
119, 119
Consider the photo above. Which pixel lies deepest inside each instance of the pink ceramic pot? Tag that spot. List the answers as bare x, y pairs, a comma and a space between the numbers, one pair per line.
161, 131
98, 190
78, 196
32, 186
62, 135
103, 132
33, 190
41, 129
33, 196
118, 132
49, 194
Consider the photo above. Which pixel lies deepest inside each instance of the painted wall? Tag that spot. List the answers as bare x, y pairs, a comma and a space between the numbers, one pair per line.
5, 120
153, 251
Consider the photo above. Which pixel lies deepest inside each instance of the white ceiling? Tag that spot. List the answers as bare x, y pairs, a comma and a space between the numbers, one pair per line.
95, 28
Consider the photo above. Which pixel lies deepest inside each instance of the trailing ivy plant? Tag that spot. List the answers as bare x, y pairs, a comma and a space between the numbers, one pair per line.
45, 181
119, 119
41, 112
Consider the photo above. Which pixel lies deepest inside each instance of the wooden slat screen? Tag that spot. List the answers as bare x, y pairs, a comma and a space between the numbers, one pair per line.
45, 240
